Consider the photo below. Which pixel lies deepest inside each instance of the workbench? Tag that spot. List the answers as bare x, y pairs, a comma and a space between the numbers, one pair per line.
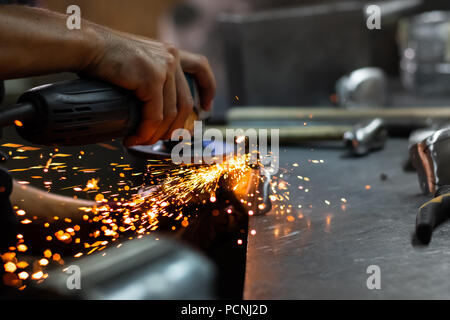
363, 213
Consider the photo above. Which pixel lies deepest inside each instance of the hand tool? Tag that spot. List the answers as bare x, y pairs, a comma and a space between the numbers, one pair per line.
418, 136
85, 111
80, 112
432, 214
430, 158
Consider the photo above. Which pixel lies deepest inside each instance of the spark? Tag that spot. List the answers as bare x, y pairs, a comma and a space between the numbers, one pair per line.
170, 189
38, 275
10, 267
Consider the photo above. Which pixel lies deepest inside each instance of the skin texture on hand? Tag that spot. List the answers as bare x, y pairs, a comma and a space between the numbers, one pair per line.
155, 72
36, 42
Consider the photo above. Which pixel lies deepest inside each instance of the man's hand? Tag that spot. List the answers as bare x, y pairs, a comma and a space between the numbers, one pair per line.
155, 72
36, 42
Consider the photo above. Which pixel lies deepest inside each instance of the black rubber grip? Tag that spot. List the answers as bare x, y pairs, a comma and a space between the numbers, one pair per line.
79, 112
430, 215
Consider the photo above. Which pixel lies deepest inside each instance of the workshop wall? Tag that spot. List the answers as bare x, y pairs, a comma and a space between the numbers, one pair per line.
136, 16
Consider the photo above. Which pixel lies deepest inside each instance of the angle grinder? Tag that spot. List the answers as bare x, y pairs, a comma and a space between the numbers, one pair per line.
87, 111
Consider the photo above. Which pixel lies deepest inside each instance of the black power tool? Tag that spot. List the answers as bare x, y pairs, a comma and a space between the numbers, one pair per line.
80, 112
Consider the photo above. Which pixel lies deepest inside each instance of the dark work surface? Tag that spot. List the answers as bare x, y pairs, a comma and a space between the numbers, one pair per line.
325, 253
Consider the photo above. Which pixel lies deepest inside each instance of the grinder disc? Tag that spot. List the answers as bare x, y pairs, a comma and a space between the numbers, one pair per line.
162, 150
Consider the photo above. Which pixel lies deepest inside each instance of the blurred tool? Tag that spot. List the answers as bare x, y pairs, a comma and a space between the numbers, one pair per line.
363, 88
365, 137
418, 136
432, 214
430, 158
425, 53
148, 268
419, 117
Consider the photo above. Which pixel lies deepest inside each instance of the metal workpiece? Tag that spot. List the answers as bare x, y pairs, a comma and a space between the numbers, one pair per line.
255, 191
418, 116
148, 268
430, 158
325, 252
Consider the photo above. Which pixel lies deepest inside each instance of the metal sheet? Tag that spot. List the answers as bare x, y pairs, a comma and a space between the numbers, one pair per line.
325, 255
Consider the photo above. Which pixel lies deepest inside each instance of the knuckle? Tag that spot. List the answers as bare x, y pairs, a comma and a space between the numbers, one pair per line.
188, 105
171, 115
139, 58
157, 118
203, 60
170, 48
160, 77
171, 61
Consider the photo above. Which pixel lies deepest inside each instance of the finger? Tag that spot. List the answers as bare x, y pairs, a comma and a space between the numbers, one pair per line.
185, 102
152, 116
170, 109
200, 68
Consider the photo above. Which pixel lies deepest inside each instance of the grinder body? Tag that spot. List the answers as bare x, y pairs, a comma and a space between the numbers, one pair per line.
80, 112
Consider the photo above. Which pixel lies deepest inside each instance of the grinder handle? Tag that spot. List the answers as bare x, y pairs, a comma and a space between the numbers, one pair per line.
431, 214
83, 111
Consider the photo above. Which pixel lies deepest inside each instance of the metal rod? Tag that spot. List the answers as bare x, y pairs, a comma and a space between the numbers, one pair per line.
296, 113
295, 134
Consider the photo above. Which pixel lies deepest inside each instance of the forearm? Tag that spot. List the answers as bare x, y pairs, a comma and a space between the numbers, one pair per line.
36, 41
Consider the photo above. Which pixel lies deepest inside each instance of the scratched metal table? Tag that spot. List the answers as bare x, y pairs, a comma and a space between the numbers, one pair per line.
323, 251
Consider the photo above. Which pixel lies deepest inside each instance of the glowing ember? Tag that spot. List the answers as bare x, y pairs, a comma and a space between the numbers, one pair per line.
43, 262
172, 188
10, 267
38, 275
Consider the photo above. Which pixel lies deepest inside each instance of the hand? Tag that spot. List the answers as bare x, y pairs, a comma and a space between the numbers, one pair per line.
40, 43
155, 72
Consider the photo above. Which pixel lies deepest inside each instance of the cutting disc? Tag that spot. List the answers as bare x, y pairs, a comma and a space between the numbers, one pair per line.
163, 150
